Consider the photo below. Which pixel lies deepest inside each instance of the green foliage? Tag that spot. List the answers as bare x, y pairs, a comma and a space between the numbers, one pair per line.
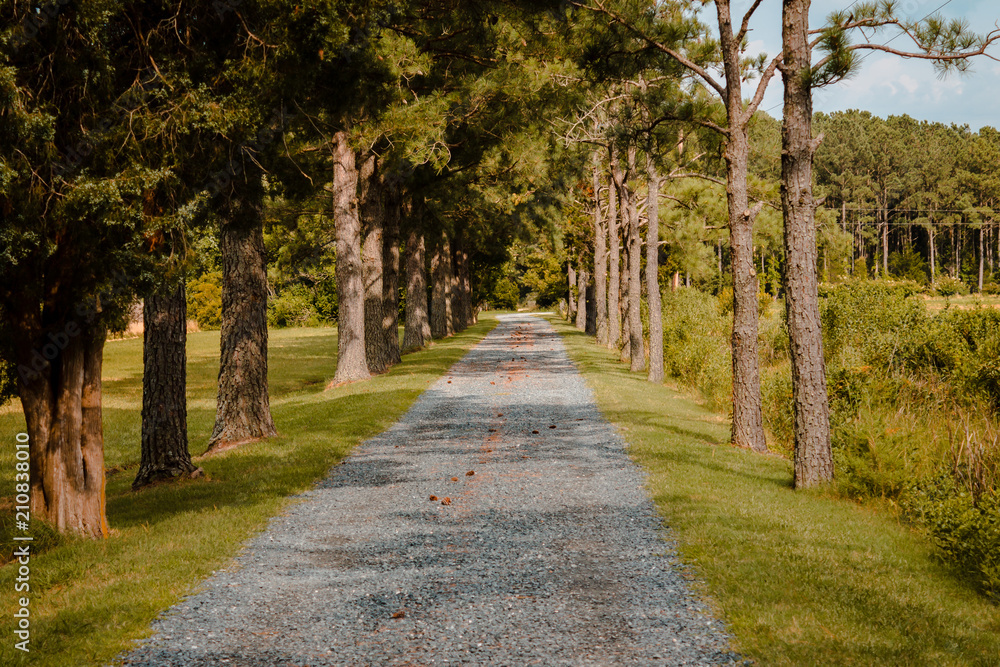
966, 529
204, 300
909, 265
695, 343
504, 295
293, 307
948, 286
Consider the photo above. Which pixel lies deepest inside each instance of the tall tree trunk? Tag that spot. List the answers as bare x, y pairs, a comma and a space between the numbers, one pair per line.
372, 209
164, 388
571, 293
461, 298
748, 421
885, 242
625, 340
581, 298
351, 363
390, 274
653, 275
418, 329
600, 263
932, 245
614, 257
243, 413
982, 253
441, 322
813, 453
62, 408
636, 353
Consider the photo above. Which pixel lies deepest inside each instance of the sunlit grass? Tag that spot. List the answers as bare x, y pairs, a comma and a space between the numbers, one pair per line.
801, 578
90, 599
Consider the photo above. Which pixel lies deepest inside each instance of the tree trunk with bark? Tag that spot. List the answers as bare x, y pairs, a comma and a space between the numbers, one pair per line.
813, 453
441, 318
581, 298
62, 408
417, 330
164, 439
600, 264
371, 208
748, 420
571, 293
390, 275
614, 257
243, 413
653, 276
636, 353
462, 294
351, 363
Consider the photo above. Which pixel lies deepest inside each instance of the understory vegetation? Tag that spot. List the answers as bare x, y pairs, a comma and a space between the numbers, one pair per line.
914, 399
801, 577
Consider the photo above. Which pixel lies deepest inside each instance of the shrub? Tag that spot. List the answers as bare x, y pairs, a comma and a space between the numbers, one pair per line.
966, 529
950, 287
293, 307
695, 343
204, 300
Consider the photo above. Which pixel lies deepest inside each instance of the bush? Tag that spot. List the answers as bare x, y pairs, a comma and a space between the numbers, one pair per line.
966, 529
991, 289
866, 322
950, 287
204, 300
695, 343
505, 295
293, 307
909, 266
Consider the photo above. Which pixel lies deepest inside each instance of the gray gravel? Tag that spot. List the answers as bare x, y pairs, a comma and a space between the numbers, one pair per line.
549, 554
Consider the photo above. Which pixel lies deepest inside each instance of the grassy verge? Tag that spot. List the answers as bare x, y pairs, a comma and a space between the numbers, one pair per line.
89, 600
802, 578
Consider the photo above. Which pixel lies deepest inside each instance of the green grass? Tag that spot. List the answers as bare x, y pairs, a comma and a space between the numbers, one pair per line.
90, 599
801, 578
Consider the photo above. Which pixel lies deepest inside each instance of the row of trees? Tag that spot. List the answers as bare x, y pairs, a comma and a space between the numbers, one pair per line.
131, 132
901, 186
666, 45
416, 139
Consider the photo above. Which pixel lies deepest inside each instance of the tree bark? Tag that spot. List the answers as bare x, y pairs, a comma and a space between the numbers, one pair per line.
748, 420
243, 413
581, 299
62, 408
571, 294
371, 209
462, 294
351, 363
390, 276
653, 275
614, 257
636, 353
165, 452
600, 264
982, 258
813, 454
441, 322
418, 329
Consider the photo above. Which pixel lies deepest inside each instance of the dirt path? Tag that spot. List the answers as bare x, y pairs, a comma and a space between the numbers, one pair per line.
499, 522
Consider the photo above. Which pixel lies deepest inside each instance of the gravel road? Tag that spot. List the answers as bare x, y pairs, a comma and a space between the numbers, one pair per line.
499, 522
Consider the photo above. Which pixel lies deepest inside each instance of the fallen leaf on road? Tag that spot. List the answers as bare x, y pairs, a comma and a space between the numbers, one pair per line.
470, 473
399, 614
454, 479
446, 501
433, 498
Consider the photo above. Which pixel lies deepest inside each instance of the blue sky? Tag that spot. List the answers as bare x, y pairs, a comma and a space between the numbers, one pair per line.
889, 85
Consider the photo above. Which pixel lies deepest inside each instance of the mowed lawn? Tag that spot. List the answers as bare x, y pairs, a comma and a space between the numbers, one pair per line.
801, 578
90, 599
